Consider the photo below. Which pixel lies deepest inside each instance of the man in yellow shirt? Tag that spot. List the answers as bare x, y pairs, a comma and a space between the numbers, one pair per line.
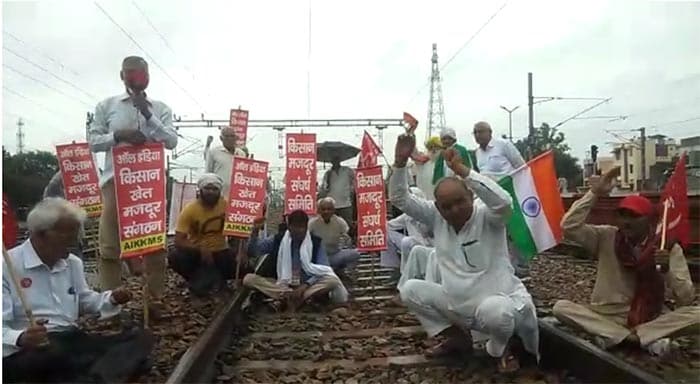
202, 255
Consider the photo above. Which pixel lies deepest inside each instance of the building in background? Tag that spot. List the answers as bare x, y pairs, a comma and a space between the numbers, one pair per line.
660, 154
691, 145
604, 164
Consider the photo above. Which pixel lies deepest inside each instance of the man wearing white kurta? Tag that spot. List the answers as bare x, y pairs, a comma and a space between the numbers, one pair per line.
404, 233
478, 289
496, 158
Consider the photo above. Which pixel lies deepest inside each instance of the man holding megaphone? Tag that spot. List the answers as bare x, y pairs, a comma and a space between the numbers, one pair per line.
131, 118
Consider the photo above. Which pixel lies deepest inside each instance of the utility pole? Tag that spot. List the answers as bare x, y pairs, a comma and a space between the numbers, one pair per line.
436, 109
643, 145
510, 120
20, 136
530, 103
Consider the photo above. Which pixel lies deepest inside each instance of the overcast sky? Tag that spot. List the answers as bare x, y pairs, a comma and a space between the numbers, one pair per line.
367, 59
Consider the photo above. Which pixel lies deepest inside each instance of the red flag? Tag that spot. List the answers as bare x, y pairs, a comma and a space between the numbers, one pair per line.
369, 153
411, 122
675, 194
9, 224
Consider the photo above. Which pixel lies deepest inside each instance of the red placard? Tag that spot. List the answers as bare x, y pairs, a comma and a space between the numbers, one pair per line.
246, 196
300, 175
139, 184
371, 209
9, 224
239, 122
79, 174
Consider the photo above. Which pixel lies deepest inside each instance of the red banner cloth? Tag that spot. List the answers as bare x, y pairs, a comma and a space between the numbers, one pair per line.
9, 224
139, 184
675, 195
369, 152
79, 174
371, 209
247, 196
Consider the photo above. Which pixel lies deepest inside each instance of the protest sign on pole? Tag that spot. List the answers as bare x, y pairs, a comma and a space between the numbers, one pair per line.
139, 183
300, 175
181, 194
371, 209
79, 174
239, 122
246, 196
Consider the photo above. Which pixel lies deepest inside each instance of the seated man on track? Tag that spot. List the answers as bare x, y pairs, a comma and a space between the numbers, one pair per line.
201, 255
333, 231
51, 348
295, 269
627, 303
403, 234
478, 289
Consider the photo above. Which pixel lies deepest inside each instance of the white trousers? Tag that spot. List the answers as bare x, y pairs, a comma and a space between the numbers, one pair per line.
390, 257
419, 264
497, 317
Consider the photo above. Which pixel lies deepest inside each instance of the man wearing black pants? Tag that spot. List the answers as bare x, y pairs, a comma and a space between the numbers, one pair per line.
202, 256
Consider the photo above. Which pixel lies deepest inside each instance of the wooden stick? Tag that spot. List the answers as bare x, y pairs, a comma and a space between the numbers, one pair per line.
146, 314
20, 292
663, 225
371, 266
238, 263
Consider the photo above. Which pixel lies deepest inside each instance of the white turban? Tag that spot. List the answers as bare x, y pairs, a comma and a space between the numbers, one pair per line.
448, 132
209, 179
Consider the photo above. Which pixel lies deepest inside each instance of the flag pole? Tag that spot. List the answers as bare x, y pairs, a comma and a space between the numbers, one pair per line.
238, 264
374, 287
146, 312
664, 225
20, 292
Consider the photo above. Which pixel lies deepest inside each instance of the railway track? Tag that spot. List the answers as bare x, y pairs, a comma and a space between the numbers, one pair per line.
370, 341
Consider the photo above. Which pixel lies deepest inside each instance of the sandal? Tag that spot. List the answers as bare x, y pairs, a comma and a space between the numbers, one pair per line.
508, 363
277, 305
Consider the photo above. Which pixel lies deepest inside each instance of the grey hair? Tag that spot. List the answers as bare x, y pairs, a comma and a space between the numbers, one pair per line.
483, 124
49, 211
327, 200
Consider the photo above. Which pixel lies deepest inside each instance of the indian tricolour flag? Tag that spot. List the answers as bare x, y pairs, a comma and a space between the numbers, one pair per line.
537, 206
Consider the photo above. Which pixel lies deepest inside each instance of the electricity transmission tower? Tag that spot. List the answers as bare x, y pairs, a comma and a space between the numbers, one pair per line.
436, 110
20, 136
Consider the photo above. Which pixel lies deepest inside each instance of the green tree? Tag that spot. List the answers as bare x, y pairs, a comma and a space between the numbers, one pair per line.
546, 138
25, 175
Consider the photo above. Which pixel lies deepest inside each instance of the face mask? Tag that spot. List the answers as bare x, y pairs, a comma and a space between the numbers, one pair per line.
137, 78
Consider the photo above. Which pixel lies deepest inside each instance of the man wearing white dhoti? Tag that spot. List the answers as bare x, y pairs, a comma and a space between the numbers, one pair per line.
478, 289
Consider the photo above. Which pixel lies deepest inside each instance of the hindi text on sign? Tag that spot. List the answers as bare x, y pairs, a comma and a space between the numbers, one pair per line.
79, 176
140, 190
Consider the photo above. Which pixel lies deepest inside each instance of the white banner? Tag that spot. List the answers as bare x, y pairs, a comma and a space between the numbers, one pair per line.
182, 193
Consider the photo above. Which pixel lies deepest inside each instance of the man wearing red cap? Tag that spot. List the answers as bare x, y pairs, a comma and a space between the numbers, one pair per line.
627, 303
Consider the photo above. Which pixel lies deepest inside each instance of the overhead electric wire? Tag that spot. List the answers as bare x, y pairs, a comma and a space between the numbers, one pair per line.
150, 58
51, 73
45, 84
56, 62
471, 38
38, 122
582, 112
47, 109
674, 122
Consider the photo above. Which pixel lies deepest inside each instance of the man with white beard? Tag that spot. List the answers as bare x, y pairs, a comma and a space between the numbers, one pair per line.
478, 289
